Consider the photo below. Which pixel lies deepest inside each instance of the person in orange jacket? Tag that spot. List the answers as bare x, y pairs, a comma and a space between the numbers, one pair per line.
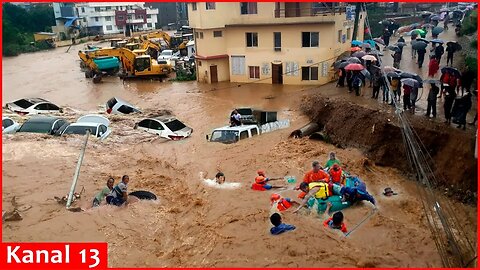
315, 175
282, 204
336, 175
261, 182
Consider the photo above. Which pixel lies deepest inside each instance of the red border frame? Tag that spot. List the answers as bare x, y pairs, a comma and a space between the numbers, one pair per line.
417, 1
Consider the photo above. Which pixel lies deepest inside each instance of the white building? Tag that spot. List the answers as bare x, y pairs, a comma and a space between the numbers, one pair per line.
104, 18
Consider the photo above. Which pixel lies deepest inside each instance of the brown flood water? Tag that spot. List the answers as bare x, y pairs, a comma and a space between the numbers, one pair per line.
193, 225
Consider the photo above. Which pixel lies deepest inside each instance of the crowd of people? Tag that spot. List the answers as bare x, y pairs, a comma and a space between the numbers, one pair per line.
454, 86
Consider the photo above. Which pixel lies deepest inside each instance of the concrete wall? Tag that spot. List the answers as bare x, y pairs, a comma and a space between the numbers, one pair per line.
203, 70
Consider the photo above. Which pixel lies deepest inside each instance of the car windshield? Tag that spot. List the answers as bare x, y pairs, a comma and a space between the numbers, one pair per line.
224, 136
36, 127
175, 125
81, 130
245, 111
166, 53
23, 103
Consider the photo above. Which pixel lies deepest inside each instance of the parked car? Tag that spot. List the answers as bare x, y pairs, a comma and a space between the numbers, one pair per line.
249, 116
44, 124
167, 127
229, 134
166, 55
9, 125
119, 106
97, 124
33, 106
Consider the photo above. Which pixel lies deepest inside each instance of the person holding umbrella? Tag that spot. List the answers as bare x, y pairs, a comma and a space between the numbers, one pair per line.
466, 80
433, 67
377, 82
450, 51
465, 103
407, 89
432, 100
341, 77
413, 39
449, 99
439, 50
386, 36
356, 82
397, 57
446, 20
421, 56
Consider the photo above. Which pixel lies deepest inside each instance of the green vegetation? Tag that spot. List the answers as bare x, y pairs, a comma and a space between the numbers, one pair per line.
471, 63
469, 24
19, 25
473, 44
185, 75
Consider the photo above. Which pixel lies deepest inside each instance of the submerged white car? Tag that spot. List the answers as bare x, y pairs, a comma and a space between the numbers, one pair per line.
97, 124
9, 125
32, 106
117, 105
167, 127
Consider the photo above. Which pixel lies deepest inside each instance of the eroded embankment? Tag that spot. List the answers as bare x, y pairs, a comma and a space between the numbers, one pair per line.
377, 133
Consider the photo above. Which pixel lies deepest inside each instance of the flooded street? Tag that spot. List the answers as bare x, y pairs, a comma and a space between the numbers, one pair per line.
191, 224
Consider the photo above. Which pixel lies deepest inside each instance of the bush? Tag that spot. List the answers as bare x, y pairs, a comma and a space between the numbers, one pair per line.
473, 44
11, 50
471, 63
469, 24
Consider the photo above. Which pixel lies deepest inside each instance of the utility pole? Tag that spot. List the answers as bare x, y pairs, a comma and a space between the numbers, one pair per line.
358, 9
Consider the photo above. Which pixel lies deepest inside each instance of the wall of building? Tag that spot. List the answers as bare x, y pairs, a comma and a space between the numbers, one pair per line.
203, 70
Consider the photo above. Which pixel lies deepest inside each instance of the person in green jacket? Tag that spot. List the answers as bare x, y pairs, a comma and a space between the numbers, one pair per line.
103, 193
332, 160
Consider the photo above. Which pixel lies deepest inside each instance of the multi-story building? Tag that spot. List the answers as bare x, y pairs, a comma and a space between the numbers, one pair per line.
290, 43
105, 17
170, 13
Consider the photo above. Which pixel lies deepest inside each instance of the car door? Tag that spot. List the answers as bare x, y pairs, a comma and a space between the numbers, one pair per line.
144, 125
40, 108
52, 108
57, 125
157, 128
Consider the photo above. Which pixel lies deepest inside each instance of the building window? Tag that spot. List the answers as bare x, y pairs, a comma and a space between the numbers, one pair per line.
309, 39
120, 18
349, 34
83, 10
120, 28
339, 36
96, 19
248, 8
97, 9
254, 72
199, 63
149, 16
149, 25
196, 34
277, 41
109, 28
252, 39
309, 73
238, 65
201, 35
210, 5
194, 6
108, 18
217, 33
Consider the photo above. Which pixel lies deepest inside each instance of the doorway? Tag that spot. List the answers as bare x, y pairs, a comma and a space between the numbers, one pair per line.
277, 73
213, 74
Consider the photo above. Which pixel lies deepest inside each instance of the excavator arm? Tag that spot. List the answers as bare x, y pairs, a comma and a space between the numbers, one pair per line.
125, 56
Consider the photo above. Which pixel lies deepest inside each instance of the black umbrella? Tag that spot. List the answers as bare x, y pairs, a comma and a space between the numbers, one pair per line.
365, 74
423, 40
451, 70
343, 64
359, 54
418, 45
455, 45
337, 64
412, 76
437, 30
393, 75
393, 48
354, 60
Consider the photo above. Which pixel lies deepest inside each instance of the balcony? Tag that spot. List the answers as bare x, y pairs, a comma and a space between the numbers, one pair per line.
135, 21
309, 12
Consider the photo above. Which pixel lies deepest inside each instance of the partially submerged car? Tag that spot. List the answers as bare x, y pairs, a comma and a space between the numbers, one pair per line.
44, 124
117, 105
167, 127
9, 125
234, 134
249, 116
26, 106
96, 124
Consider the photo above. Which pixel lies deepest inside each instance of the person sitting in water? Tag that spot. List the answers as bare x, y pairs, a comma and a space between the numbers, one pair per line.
336, 221
103, 193
336, 175
318, 190
279, 227
118, 196
261, 182
220, 178
332, 159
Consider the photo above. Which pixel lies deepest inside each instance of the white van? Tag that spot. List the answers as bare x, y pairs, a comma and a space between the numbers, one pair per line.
229, 134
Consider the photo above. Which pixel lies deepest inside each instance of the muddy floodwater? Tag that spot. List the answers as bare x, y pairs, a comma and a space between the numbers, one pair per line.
191, 224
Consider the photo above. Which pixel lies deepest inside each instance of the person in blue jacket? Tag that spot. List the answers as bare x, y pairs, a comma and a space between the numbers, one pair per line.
280, 227
356, 193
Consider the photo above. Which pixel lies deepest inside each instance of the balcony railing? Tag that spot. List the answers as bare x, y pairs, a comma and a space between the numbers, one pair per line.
308, 12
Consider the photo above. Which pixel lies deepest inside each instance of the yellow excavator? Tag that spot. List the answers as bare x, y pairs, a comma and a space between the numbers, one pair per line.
107, 60
173, 43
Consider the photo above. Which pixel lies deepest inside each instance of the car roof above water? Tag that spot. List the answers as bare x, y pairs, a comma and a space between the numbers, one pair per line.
44, 119
236, 128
